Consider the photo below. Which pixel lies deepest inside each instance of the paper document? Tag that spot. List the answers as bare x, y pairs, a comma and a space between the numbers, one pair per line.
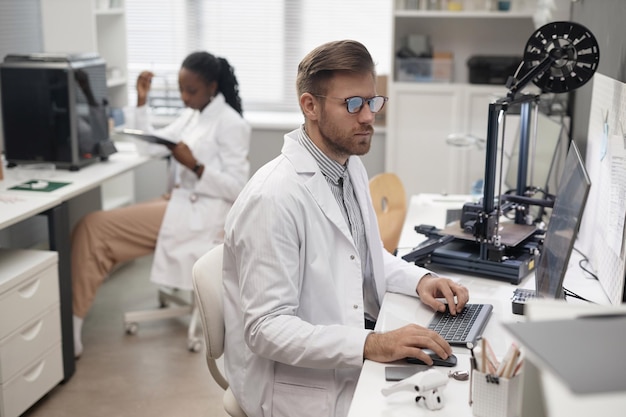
148, 137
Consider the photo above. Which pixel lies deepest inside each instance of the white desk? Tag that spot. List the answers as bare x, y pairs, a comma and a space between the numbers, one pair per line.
18, 205
398, 310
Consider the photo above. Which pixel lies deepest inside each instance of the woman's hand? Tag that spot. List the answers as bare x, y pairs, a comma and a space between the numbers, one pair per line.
144, 81
430, 288
182, 154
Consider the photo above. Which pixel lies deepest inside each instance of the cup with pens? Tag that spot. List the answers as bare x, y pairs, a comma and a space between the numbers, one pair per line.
495, 387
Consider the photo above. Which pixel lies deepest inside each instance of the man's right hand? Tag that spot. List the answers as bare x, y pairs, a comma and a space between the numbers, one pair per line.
405, 342
144, 82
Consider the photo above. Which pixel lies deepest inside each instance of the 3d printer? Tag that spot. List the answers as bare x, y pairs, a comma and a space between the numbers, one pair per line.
559, 57
54, 109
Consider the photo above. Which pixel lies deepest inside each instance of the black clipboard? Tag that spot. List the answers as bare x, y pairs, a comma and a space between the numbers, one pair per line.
148, 137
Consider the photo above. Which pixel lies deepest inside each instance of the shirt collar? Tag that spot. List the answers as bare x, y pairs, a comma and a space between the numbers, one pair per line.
331, 169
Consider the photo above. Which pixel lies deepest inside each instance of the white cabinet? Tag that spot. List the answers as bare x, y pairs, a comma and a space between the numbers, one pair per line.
31, 362
422, 118
76, 26
421, 115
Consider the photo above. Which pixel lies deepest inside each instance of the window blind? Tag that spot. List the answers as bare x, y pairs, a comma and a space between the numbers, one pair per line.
15, 16
263, 40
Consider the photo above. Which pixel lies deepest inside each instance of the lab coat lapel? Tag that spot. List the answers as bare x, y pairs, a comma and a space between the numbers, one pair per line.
305, 165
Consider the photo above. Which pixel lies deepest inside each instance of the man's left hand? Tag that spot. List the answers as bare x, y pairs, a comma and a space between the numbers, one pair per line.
430, 288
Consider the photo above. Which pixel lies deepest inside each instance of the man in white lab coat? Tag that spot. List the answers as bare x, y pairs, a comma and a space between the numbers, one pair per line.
305, 270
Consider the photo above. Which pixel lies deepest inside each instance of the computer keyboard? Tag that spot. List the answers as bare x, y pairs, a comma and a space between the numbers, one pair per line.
464, 328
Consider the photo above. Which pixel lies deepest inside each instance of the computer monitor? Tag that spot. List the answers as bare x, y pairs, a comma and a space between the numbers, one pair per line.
562, 229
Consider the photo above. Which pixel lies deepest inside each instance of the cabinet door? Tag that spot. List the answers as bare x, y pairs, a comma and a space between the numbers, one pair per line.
416, 146
476, 113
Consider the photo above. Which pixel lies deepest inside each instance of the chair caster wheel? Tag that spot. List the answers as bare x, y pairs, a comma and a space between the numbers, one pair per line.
194, 346
131, 328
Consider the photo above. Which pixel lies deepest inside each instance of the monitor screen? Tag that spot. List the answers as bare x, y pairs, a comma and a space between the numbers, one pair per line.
562, 229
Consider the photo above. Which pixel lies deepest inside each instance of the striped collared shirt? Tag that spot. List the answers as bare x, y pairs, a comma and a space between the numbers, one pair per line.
341, 187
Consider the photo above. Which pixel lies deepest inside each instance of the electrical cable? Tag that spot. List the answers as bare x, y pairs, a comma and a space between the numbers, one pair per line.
572, 294
583, 260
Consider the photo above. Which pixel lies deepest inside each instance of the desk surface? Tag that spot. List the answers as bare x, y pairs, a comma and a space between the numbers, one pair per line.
398, 310
18, 205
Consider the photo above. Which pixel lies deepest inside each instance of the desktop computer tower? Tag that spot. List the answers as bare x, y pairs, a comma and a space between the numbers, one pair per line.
54, 109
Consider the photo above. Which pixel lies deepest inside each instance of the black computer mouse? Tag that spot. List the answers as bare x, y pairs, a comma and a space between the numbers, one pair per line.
437, 361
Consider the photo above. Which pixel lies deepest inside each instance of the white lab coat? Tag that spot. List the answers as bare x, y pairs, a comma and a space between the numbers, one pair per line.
194, 220
293, 289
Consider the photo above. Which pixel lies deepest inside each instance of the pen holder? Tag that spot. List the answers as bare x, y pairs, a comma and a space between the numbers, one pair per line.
494, 396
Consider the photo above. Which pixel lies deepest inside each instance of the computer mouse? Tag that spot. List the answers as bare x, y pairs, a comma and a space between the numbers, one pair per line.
437, 361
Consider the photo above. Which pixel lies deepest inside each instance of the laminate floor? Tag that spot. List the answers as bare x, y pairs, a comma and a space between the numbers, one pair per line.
151, 373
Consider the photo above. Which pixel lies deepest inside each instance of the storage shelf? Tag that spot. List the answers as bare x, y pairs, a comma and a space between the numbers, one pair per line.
444, 14
109, 12
409, 85
116, 82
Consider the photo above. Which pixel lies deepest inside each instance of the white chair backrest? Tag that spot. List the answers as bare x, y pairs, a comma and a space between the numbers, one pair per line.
208, 290
207, 285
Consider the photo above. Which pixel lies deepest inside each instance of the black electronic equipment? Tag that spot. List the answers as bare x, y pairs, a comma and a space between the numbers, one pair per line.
491, 69
559, 57
54, 109
561, 232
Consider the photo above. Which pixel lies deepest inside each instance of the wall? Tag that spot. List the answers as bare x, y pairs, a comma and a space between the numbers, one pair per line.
605, 20
266, 144
151, 179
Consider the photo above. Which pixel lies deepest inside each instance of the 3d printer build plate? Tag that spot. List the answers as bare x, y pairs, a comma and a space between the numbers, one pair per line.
511, 234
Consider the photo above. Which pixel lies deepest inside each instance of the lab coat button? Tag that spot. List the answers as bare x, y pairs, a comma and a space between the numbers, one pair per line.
356, 306
193, 197
352, 257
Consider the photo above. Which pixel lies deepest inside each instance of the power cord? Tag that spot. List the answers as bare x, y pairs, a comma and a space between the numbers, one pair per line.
572, 294
583, 261
569, 293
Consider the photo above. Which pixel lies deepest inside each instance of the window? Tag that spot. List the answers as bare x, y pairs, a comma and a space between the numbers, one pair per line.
263, 40
14, 17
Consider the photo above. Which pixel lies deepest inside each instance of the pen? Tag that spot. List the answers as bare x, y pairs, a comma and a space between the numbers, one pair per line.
484, 355
518, 367
512, 365
510, 356
473, 367
492, 360
472, 359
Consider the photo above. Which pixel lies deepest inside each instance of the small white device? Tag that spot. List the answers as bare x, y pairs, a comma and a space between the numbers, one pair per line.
428, 384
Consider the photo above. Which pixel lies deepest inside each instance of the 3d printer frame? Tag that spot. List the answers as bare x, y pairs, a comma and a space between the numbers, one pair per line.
559, 57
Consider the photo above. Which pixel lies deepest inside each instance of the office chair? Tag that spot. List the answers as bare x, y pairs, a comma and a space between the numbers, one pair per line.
184, 305
207, 284
389, 200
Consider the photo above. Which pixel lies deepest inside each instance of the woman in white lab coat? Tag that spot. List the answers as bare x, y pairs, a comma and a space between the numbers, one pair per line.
209, 169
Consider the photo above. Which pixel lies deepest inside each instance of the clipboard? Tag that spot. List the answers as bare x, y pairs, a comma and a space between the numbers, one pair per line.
148, 137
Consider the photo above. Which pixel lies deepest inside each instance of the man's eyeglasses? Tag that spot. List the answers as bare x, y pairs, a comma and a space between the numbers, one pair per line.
355, 104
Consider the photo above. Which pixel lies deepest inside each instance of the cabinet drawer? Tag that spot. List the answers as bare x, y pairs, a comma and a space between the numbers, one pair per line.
23, 302
25, 388
29, 342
